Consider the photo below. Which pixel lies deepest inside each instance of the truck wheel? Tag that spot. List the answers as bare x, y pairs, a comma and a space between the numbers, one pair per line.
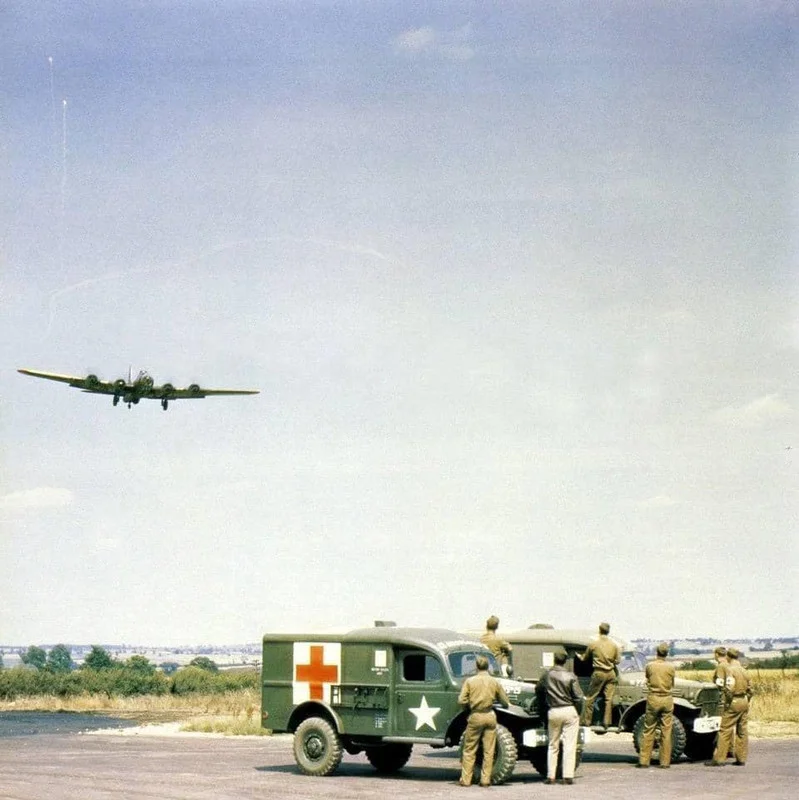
317, 747
389, 757
700, 746
504, 757
540, 755
678, 738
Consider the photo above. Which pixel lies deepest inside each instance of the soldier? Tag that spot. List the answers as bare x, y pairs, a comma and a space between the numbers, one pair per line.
560, 690
737, 694
606, 655
499, 647
478, 695
659, 708
721, 672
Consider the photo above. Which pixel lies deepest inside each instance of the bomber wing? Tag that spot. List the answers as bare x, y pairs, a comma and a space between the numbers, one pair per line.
197, 391
91, 383
168, 392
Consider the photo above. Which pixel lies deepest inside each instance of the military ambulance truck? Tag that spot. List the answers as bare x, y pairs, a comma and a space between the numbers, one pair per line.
382, 690
697, 705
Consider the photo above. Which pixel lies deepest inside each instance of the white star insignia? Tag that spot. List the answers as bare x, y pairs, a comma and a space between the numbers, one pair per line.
425, 715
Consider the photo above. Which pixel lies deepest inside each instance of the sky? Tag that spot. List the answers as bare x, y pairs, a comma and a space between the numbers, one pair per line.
517, 283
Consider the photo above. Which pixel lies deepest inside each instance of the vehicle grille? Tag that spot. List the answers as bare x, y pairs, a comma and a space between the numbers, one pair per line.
709, 701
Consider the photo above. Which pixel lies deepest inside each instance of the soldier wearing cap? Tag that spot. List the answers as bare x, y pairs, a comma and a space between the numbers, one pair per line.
737, 694
478, 695
499, 647
606, 655
659, 708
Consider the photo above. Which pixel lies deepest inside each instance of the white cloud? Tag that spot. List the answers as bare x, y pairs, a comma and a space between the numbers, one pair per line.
41, 497
415, 40
450, 45
759, 412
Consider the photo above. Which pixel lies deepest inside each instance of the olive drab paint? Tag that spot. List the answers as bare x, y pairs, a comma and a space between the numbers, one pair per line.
383, 690
697, 704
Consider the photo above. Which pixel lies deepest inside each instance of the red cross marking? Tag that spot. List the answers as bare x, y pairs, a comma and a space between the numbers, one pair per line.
317, 672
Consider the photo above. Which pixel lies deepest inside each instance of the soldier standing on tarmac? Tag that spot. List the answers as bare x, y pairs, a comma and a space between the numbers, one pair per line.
603, 678
737, 693
659, 708
559, 691
478, 695
499, 647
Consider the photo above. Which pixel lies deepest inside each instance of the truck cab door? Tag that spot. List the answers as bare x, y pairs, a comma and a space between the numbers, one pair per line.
425, 702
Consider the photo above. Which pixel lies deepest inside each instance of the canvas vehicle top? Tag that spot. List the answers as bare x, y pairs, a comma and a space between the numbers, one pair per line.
381, 690
697, 705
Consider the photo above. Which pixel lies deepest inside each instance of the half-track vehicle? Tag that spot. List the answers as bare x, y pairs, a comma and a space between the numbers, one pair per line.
383, 690
697, 705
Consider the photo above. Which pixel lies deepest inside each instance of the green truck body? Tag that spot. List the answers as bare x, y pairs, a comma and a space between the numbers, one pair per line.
382, 690
697, 705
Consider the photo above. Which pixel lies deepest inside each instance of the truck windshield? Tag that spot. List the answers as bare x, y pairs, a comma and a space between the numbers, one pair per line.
632, 661
462, 663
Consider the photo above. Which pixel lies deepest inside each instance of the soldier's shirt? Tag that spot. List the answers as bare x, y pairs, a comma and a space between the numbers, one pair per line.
738, 681
660, 676
721, 674
605, 651
499, 647
480, 691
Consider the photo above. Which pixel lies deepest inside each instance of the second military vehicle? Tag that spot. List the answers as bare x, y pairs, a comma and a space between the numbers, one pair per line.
382, 690
697, 705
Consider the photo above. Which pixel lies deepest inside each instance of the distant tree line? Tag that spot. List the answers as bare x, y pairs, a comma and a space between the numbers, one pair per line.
784, 660
56, 673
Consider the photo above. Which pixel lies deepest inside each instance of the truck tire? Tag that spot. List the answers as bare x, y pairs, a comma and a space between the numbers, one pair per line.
389, 758
678, 738
700, 746
540, 755
317, 747
505, 757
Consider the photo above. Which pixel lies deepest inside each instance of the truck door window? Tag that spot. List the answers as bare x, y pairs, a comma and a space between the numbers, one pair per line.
582, 669
420, 667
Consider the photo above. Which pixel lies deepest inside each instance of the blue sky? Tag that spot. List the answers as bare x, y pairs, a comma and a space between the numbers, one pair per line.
517, 283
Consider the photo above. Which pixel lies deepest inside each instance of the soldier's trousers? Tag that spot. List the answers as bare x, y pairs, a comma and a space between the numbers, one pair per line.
481, 726
563, 723
603, 681
733, 720
659, 712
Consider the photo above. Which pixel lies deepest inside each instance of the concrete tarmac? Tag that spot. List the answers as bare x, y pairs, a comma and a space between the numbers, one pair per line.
68, 766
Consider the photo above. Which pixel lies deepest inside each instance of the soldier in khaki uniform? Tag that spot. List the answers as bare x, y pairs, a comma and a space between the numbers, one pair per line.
606, 655
499, 647
478, 695
659, 708
737, 694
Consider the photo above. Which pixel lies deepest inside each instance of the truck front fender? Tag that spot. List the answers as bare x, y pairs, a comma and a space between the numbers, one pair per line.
685, 710
630, 715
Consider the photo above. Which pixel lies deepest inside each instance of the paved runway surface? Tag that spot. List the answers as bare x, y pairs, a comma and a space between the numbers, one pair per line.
92, 766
